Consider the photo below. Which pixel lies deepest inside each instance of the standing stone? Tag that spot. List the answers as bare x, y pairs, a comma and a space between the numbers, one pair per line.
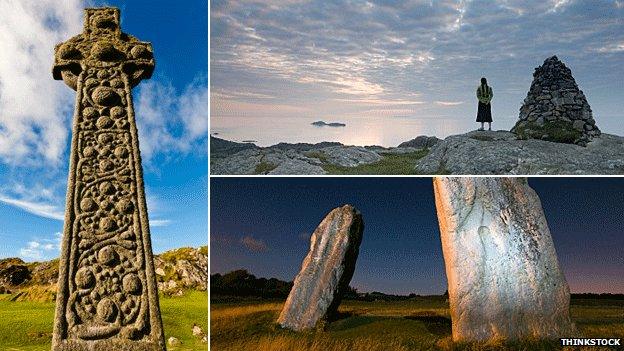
107, 296
326, 271
555, 109
504, 280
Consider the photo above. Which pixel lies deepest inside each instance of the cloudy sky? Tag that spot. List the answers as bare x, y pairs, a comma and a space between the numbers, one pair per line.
36, 112
264, 225
405, 60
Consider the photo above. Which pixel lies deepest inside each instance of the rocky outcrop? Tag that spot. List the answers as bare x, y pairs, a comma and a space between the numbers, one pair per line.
555, 109
504, 280
420, 142
476, 152
182, 269
301, 158
13, 272
501, 152
326, 270
225, 147
176, 271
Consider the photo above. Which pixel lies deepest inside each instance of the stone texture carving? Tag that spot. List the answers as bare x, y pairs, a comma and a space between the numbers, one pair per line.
326, 271
107, 296
504, 280
554, 98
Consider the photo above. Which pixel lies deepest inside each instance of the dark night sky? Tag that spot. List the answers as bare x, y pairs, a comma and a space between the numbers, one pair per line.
264, 224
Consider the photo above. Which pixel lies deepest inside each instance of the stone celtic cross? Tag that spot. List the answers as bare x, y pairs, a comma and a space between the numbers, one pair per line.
107, 295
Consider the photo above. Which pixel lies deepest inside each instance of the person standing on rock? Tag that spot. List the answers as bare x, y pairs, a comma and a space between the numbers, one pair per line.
484, 95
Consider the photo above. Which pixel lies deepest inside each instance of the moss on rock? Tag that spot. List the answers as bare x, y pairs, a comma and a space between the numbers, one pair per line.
556, 131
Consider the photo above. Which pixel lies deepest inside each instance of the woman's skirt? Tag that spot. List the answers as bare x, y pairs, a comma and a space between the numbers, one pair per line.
484, 113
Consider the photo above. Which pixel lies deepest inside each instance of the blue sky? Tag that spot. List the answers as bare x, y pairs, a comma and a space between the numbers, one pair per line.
36, 111
264, 225
395, 60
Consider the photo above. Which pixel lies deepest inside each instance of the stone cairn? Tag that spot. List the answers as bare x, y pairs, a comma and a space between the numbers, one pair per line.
326, 271
504, 280
107, 295
555, 97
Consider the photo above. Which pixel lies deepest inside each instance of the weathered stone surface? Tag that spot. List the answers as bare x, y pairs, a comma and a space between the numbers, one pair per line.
555, 98
228, 157
476, 152
349, 156
107, 295
504, 280
502, 153
181, 269
173, 341
420, 142
13, 272
326, 270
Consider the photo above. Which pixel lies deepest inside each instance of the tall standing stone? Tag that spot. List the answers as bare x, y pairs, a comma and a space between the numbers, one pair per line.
504, 280
326, 270
554, 101
107, 294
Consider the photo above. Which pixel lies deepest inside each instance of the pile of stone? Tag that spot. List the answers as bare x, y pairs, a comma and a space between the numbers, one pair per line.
555, 100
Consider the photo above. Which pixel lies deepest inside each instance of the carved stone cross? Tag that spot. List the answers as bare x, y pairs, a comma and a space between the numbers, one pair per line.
107, 294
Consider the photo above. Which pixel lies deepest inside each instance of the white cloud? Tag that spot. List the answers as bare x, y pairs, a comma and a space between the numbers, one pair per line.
558, 5
254, 245
34, 109
40, 249
159, 222
42, 209
449, 103
170, 121
611, 48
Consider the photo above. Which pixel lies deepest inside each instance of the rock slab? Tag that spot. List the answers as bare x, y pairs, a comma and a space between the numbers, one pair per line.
326, 271
504, 280
555, 97
500, 152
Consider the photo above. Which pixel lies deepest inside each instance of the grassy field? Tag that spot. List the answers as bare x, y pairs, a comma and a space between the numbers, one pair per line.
27, 325
417, 324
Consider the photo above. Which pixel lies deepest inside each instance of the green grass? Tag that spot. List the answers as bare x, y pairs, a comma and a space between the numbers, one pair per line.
556, 131
389, 164
317, 154
416, 324
184, 253
264, 167
27, 326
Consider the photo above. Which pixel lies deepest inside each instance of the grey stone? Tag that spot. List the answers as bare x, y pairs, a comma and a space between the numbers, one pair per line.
504, 280
197, 330
107, 294
173, 341
224, 147
349, 156
297, 166
326, 271
420, 142
555, 96
578, 124
295, 160
14, 272
464, 154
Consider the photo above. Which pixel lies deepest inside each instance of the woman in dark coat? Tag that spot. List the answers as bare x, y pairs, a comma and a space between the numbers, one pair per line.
484, 113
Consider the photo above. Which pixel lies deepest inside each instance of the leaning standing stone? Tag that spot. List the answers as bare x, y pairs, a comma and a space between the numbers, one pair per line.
504, 280
326, 271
